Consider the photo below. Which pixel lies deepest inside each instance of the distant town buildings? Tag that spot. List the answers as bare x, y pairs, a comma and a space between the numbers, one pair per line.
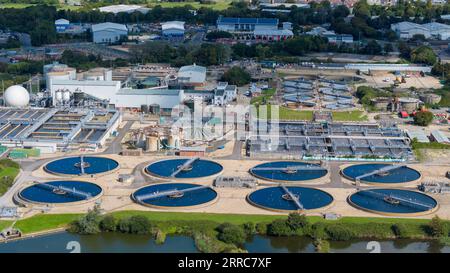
331, 35
108, 33
407, 30
65, 26
382, 2
259, 29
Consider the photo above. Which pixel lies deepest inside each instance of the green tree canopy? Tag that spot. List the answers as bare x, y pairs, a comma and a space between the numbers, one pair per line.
423, 118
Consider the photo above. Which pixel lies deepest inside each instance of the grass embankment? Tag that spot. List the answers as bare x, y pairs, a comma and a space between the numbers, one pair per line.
8, 172
265, 96
291, 114
418, 148
205, 228
349, 116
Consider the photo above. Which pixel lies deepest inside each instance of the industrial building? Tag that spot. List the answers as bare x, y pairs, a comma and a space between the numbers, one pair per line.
259, 29
192, 75
365, 67
405, 104
433, 30
173, 29
52, 129
108, 33
299, 140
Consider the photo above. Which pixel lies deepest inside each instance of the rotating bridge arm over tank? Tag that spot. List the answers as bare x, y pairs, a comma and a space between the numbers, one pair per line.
293, 197
379, 171
71, 191
402, 200
157, 194
186, 165
290, 168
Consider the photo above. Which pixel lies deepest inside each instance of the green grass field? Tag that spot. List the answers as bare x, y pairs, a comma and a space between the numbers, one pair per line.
14, 6
265, 95
7, 175
349, 116
218, 5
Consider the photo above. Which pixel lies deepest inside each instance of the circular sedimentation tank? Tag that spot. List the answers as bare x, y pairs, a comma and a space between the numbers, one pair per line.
183, 168
60, 192
174, 195
401, 174
280, 198
288, 171
393, 202
85, 165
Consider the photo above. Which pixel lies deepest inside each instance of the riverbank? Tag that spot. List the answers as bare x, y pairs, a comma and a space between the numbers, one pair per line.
203, 227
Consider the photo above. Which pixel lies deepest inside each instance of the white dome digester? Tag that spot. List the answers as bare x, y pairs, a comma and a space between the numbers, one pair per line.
16, 96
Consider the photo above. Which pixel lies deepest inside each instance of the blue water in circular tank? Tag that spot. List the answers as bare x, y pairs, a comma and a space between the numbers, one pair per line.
280, 175
401, 201
272, 198
399, 175
188, 198
200, 168
42, 194
70, 165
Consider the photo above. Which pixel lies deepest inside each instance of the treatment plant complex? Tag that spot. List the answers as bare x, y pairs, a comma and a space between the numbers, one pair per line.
211, 116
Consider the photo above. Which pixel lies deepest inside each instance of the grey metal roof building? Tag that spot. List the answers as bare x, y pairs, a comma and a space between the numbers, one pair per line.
438, 136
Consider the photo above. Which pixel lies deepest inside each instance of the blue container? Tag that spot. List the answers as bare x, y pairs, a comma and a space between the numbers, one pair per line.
283, 176
188, 198
274, 198
393, 201
200, 168
70, 165
400, 175
41, 194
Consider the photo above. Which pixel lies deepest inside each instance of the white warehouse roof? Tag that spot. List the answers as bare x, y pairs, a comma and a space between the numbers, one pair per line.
123, 8
195, 73
108, 26
172, 25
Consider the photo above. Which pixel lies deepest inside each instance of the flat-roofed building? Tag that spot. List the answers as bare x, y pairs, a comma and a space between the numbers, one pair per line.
259, 29
434, 30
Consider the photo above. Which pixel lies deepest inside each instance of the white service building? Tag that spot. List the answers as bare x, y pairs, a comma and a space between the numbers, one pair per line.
108, 33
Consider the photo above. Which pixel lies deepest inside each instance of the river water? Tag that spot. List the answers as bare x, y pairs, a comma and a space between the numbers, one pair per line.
64, 242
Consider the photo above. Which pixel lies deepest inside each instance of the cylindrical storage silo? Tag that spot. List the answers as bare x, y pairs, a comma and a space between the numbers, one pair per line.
152, 143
